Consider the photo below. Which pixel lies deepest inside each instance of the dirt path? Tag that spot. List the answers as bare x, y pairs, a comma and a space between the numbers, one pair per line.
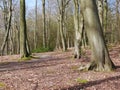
56, 71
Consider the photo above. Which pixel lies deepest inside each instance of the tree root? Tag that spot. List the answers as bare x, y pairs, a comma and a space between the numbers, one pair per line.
95, 67
77, 56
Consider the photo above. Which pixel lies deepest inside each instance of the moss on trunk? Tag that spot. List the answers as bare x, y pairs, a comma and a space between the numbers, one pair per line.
24, 46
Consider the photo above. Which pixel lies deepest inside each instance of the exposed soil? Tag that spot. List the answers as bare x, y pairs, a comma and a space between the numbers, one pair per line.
57, 71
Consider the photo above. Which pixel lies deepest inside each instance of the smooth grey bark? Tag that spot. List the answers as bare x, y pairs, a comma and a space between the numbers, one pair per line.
24, 46
100, 57
78, 25
58, 47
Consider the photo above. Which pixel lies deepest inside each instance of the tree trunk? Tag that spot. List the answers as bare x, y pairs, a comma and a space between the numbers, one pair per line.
62, 7
7, 27
100, 10
35, 39
11, 33
24, 50
44, 24
48, 24
117, 22
78, 25
100, 56
58, 47
62, 34
5, 8
105, 12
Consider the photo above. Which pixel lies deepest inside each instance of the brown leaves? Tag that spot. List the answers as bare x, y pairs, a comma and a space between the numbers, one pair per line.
57, 70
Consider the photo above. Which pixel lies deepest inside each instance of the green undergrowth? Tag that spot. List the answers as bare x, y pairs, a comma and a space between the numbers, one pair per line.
109, 46
2, 85
40, 50
26, 58
82, 81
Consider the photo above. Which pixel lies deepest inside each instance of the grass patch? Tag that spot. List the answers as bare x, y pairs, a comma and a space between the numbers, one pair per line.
75, 67
110, 46
40, 50
83, 81
2, 85
25, 58
28, 58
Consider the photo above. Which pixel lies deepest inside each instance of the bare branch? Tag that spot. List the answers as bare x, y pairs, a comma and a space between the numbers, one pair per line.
67, 2
58, 6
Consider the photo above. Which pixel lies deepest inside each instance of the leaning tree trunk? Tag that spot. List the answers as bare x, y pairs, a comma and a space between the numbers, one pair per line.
8, 25
100, 56
24, 48
78, 25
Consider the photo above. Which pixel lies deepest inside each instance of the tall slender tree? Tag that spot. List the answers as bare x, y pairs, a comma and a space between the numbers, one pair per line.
62, 9
100, 57
24, 46
105, 12
100, 10
44, 25
7, 22
35, 39
118, 21
78, 25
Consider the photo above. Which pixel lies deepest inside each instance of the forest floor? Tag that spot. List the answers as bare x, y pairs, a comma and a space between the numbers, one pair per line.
57, 71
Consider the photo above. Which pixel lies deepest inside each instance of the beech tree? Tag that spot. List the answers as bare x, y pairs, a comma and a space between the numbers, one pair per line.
35, 39
44, 25
24, 46
100, 57
62, 9
78, 25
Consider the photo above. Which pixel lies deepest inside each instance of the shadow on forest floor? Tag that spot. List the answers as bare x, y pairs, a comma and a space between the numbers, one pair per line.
44, 62
92, 83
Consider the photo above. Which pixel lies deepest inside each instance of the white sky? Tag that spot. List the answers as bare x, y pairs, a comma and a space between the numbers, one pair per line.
31, 3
